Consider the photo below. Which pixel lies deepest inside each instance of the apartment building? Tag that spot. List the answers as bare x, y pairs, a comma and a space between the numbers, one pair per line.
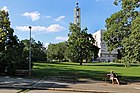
104, 55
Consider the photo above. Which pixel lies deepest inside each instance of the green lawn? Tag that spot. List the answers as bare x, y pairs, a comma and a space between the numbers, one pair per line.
95, 71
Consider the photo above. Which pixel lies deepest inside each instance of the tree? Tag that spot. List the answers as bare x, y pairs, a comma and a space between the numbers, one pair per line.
80, 45
5, 30
56, 51
8, 44
61, 48
132, 44
120, 27
37, 50
12, 54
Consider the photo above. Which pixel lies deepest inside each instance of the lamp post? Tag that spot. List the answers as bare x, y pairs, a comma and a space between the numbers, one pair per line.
30, 53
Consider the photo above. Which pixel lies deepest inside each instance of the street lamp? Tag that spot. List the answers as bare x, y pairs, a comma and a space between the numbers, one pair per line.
30, 53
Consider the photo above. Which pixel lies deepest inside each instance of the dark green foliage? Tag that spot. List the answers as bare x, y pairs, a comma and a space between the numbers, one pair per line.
123, 30
80, 45
56, 51
8, 43
37, 50
14, 54
132, 44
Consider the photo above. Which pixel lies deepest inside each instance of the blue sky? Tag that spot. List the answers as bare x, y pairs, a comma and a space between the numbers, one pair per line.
50, 18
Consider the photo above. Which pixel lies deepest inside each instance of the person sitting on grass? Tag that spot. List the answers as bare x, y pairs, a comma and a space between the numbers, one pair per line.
113, 77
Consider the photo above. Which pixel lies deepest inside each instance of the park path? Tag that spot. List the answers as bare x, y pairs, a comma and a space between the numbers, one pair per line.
53, 85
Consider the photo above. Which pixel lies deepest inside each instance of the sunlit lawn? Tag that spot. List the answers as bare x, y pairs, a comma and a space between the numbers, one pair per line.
95, 71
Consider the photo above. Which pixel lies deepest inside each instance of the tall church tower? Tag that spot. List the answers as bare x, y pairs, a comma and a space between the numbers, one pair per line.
77, 15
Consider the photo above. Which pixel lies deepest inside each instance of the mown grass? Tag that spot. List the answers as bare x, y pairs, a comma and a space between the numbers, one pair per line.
96, 71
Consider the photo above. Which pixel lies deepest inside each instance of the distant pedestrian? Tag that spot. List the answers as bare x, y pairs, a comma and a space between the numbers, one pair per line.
113, 77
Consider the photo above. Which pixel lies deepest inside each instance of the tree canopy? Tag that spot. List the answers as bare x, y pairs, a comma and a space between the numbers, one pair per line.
123, 30
9, 43
80, 45
13, 52
37, 50
56, 51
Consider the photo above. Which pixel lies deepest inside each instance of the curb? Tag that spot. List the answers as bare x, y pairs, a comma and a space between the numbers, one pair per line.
78, 90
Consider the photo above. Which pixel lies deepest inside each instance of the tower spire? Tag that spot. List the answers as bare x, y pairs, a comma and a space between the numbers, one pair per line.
77, 15
77, 4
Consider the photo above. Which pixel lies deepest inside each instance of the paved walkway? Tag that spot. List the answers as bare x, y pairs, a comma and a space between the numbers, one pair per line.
53, 85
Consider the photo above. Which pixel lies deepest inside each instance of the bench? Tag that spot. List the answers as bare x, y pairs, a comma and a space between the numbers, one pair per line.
22, 72
106, 78
68, 76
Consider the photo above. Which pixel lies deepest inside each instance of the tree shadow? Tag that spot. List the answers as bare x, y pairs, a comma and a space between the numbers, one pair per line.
94, 75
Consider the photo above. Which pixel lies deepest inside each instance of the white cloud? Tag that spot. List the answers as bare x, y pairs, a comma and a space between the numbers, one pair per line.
55, 28
48, 17
5, 8
60, 38
49, 29
60, 18
34, 15
22, 28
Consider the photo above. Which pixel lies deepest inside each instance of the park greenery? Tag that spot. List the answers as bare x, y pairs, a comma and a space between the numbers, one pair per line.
95, 71
56, 52
13, 52
123, 31
80, 46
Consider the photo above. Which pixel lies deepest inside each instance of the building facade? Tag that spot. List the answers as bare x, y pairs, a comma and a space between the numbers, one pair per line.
104, 55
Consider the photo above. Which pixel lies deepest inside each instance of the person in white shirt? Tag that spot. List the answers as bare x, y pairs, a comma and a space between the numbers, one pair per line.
113, 77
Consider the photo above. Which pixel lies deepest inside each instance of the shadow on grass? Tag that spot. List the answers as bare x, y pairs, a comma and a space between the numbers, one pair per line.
53, 70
